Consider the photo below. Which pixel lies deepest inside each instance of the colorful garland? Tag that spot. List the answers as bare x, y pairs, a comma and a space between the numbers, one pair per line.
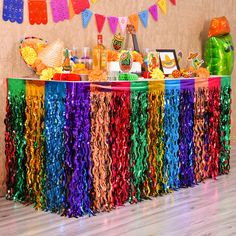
82, 148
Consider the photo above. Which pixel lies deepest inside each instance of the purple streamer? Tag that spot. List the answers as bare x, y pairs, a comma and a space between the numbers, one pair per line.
186, 133
78, 163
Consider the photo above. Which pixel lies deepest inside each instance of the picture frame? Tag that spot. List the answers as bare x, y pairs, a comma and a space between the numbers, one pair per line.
168, 61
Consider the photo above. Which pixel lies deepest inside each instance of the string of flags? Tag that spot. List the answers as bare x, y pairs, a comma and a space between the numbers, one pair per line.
13, 11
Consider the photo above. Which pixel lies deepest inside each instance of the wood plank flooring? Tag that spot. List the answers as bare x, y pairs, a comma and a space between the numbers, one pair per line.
207, 209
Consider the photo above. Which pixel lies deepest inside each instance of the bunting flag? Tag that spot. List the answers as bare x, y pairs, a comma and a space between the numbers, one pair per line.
154, 11
80, 5
37, 12
60, 10
86, 16
13, 10
134, 21
123, 20
143, 15
162, 6
71, 9
100, 20
113, 22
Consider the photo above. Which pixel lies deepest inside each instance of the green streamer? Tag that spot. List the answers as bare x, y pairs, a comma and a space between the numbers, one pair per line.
225, 99
139, 143
16, 100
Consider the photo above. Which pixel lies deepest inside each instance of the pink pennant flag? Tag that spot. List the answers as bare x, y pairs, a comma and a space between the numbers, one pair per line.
113, 22
123, 23
60, 10
100, 20
154, 12
173, 2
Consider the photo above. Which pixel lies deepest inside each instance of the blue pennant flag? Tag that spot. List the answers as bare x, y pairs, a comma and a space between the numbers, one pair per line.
86, 16
143, 15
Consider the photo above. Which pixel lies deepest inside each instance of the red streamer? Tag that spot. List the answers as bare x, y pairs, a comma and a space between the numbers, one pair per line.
119, 141
214, 125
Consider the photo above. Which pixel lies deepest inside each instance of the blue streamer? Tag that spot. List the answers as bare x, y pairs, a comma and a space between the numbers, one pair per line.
55, 149
171, 138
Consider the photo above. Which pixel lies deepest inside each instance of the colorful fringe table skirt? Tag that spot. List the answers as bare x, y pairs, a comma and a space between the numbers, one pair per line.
77, 148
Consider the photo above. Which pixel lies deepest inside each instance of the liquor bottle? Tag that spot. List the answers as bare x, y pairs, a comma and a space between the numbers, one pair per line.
99, 55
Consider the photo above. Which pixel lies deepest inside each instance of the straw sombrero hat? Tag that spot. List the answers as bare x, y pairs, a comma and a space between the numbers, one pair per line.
39, 55
52, 55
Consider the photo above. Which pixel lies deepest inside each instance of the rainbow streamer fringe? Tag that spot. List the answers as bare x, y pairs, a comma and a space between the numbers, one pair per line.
81, 148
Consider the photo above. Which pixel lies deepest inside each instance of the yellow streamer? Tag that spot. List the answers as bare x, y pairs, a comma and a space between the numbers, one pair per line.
34, 140
155, 138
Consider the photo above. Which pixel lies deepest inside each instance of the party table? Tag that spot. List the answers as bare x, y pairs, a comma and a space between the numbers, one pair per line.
78, 148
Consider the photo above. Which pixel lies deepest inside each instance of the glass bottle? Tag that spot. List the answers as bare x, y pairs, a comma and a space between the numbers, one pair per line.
99, 55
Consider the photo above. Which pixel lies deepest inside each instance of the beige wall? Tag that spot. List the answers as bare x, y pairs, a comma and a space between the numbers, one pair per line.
184, 28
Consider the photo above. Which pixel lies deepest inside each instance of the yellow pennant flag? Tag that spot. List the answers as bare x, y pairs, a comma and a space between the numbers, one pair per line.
71, 10
162, 5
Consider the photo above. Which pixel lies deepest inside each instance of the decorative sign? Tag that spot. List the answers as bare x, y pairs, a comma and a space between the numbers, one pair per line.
153, 61
126, 61
117, 42
196, 62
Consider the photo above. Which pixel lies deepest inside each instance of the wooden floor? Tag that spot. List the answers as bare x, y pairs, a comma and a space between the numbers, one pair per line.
207, 209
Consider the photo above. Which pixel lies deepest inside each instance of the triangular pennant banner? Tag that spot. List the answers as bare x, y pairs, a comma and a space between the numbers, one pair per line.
100, 20
71, 9
173, 2
162, 5
80, 5
123, 23
143, 15
86, 16
37, 12
60, 10
113, 22
134, 21
13, 10
154, 11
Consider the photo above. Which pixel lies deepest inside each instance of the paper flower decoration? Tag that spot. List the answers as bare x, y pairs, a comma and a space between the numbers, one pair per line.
157, 74
203, 73
47, 74
137, 57
29, 55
